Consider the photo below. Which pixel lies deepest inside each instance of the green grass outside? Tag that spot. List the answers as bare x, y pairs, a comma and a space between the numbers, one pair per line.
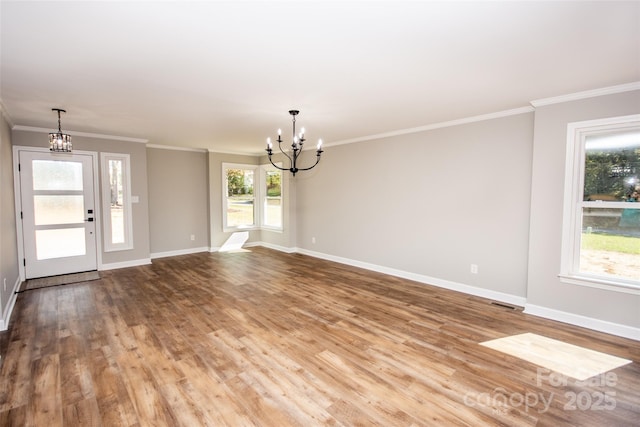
612, 243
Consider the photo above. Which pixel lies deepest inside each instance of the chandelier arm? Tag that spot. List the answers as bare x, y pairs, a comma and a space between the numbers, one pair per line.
283, 152
314, 165
276, 166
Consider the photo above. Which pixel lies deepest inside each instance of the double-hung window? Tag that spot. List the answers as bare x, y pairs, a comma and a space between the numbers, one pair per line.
601, 227
239, 208
252, 197
272, 197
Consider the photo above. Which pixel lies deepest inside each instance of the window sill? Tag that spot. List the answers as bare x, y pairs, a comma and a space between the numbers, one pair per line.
252, 228
240, 228
272, 229
601, 283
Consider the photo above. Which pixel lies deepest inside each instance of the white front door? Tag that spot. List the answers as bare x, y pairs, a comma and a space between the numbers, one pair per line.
58, 213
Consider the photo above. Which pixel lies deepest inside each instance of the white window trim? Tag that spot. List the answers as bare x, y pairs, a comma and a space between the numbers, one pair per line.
126, 197
263, 197
259, 197
572, 213
256, 207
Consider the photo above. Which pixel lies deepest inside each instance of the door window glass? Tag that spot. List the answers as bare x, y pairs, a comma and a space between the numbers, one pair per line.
58, 209
57, 175
60, 243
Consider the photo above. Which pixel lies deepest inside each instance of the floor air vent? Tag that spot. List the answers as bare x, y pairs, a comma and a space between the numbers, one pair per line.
500, 304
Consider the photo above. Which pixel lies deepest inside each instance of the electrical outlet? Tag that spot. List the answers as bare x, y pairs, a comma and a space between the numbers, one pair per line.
474, 268
313, 240
193, 237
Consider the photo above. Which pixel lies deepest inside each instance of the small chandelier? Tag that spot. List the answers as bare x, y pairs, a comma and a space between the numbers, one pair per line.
59, 141
296, 148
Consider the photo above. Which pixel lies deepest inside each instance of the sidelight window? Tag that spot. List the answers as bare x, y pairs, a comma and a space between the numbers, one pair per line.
116, 201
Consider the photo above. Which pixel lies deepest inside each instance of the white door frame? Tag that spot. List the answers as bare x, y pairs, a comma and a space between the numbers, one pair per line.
18, 203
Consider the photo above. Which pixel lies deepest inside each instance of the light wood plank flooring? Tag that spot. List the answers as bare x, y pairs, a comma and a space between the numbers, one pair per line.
272, 339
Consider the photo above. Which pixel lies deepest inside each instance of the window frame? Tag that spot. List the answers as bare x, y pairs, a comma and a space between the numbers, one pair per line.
259, 197
225, 226
577, 134
264, 197
127, 215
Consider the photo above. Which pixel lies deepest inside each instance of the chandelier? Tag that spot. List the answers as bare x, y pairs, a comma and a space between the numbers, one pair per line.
59, 141
296, 148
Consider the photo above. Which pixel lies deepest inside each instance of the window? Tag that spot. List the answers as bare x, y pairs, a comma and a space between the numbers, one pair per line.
272, 190
116, 200
239, 196
252, 197
601, 228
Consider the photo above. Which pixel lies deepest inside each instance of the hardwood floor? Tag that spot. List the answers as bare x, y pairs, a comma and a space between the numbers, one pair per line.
273, 339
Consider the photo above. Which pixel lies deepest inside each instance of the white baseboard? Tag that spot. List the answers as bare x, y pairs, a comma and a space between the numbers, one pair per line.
274, 247
6, 316
125, 264
583, 321
547, 313
178, 252
428, 280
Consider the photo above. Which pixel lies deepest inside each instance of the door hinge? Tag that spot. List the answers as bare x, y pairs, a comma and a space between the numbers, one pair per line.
24, 262
18, 167
21, 217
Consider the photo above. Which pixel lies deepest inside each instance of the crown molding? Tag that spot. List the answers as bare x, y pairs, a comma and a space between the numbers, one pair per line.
170, 147
628, 87
586, 94
450, 123
5, 114
83, 134
235, 153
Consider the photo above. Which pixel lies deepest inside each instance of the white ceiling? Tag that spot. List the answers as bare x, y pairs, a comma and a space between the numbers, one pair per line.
222, 75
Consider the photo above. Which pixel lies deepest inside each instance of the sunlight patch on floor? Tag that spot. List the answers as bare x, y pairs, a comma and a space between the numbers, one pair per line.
234, 242
567, 359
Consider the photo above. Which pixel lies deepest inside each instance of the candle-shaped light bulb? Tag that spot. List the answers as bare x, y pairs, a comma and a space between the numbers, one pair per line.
319, 144
269, 143
302, 133
279, 132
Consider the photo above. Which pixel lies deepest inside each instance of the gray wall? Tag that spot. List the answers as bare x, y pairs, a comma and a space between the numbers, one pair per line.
178, 200
140, 211
9, 272
429, 203
547, 195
